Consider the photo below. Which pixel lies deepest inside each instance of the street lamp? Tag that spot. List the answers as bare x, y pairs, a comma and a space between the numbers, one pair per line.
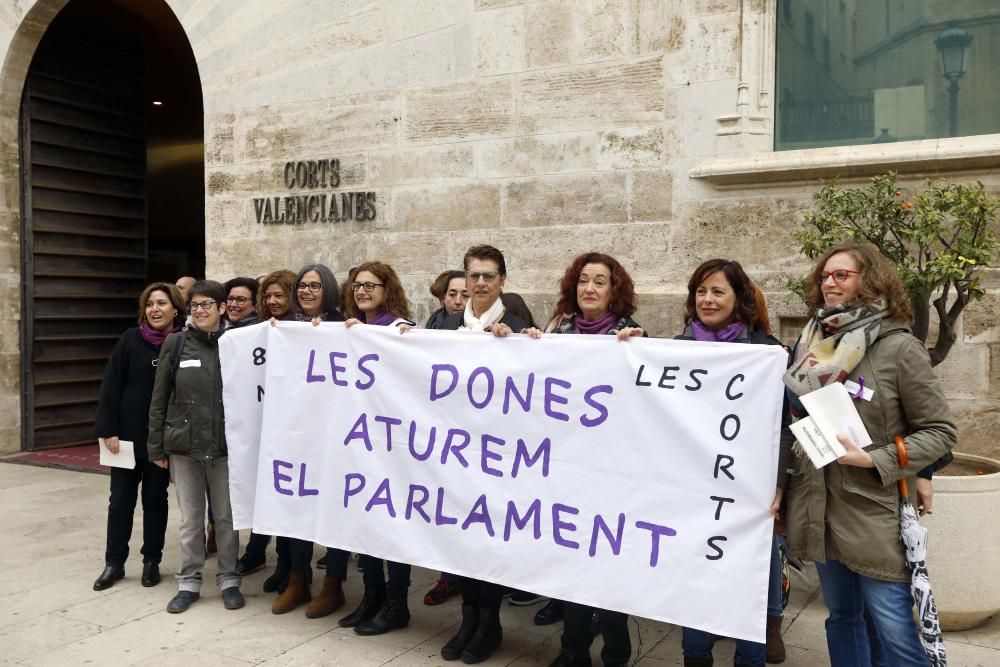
952, 43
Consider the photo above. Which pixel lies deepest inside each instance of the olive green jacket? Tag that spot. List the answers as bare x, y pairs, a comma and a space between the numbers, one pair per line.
851, 514
185, 414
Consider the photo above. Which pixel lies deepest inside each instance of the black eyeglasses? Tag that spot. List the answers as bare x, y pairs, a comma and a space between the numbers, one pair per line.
241, 300
839, 276
488, 276
368, 287
312, 287
202, 305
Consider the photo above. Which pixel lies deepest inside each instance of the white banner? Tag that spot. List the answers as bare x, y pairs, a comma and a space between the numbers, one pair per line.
633, 476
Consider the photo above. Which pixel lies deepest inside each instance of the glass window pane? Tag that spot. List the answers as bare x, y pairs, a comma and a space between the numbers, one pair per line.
855, 72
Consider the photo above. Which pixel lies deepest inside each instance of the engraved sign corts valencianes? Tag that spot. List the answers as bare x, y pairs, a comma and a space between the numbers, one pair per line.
314, 197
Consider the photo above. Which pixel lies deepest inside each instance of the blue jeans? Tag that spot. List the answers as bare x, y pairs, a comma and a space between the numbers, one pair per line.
774, 607
890, 604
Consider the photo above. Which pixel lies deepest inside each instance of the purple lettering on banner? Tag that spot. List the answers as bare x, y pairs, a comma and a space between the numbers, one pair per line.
534, 510
303, 491
389, 423
440, 368
279, 478
479, 513
352, 489
368, 373
588, 398
440, 518
729, 387
724, 467
510, 389
482, 370
382, 496
336, 369
426, 454
310, 376
417, 505
521, 454
721, 501
614, 539
553, 398
558, 525
656, 531
718, 550
360, 432
487, 455
455, 449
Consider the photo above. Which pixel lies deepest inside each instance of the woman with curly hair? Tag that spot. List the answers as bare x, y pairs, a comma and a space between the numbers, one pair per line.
376, 296
274, 298
845, 515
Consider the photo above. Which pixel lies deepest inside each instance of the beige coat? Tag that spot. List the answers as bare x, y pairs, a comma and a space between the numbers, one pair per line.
851, 514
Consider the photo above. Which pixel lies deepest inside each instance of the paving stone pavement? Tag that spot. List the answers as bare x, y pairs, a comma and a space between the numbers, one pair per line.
53, 528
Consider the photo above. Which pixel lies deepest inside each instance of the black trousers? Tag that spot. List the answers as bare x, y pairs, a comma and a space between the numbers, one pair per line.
125, 486
481, 593
299, 553
374, 575
577, 637
257, 545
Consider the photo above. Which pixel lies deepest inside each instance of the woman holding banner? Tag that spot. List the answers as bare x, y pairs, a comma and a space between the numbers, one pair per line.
724, 305
485, 273
377, 298
315, 300
123, 413
845, 515
596, 296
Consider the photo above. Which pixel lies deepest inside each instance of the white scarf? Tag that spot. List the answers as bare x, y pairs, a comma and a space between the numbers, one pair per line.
492, 315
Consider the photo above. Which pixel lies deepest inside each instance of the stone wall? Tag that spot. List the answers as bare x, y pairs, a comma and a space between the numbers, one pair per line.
545, 127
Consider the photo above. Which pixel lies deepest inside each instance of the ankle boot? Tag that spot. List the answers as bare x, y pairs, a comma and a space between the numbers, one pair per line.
295, 594
774, 651
278, 578
329, 600
370, 605
470, 619
393, 615
487, 638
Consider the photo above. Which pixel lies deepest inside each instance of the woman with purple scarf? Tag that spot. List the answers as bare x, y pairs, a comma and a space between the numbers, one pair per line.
724, 305
377, 298
123, 414
596, 297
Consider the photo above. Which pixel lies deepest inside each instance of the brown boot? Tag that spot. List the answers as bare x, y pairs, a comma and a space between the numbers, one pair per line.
329, 600
295, 594
775, 648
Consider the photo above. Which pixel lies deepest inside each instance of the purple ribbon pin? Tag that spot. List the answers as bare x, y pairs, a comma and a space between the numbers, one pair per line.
860, 393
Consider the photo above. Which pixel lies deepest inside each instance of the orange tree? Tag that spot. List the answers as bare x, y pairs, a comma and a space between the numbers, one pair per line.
939, 238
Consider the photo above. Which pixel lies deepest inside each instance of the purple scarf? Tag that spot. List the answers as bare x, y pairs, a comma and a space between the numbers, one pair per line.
383, 319
155, 337
601, 326
726, 334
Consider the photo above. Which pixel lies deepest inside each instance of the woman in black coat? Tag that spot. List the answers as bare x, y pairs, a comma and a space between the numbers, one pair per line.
123, 414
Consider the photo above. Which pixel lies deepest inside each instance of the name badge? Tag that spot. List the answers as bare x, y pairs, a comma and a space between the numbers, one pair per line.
191, 363
852, 388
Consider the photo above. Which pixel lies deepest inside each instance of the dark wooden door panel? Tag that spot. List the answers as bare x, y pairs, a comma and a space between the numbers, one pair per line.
84, 193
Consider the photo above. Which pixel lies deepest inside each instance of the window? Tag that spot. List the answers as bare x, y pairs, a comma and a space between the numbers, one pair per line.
926, 77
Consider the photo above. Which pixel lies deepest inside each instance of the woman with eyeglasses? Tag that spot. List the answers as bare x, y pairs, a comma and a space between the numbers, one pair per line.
315, 300
377, 298
845, 515
187, 435
480, 634
724, 305
274, 302
241, 301
123, 414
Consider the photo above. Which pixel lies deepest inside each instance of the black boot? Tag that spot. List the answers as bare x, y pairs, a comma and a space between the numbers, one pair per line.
109, 576
697, 662
370, 605
470, 619
279, 578
487, 639
394, 615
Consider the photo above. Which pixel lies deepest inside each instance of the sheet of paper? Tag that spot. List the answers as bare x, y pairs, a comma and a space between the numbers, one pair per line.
811, 440
834, 412
125, 458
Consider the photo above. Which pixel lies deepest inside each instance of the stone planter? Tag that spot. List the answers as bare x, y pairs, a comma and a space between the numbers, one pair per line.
963, 555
